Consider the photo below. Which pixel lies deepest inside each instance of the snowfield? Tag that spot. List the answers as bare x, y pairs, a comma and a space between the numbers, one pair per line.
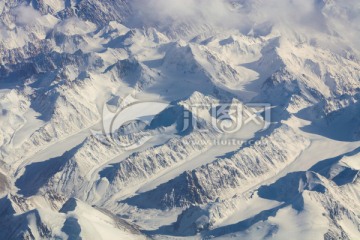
107, 126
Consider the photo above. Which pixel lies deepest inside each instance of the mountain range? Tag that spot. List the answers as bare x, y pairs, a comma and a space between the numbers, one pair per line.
96, 99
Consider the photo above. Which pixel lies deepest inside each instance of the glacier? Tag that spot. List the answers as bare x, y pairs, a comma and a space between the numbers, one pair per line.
94, 102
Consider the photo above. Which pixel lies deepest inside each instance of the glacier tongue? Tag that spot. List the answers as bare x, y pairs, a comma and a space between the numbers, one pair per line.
71, 71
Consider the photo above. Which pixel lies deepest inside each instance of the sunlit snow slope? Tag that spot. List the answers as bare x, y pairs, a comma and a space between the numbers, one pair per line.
67, 66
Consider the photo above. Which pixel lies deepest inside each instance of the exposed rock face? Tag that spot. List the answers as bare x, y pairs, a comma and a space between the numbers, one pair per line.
71, 70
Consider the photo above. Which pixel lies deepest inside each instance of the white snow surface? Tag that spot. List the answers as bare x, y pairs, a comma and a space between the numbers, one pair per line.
72, 72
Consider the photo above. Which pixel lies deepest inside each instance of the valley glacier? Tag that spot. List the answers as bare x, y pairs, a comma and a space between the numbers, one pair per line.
96, 99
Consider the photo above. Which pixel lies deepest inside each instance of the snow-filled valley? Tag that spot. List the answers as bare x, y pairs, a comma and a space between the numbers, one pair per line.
107, 127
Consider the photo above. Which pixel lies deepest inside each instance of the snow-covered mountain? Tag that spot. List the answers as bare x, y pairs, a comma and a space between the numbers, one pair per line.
107, 126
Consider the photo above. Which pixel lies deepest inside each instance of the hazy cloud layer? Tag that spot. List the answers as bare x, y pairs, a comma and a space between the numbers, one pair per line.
25, 15
303, 16
168, 11
226, 12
